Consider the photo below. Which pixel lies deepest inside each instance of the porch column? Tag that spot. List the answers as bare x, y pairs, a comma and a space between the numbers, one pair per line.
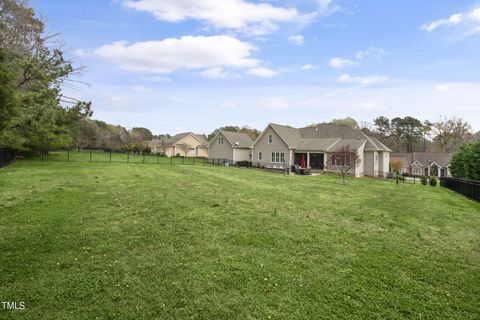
428, 171
174, 151
290, 153
439, 172
308, 159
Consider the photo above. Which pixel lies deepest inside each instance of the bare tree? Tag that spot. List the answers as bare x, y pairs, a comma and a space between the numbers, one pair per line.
450, 134
343, 160
396, 165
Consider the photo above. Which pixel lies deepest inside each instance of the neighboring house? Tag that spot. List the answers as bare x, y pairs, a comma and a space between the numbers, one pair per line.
187, 144
425, 163
232, 146
282, 146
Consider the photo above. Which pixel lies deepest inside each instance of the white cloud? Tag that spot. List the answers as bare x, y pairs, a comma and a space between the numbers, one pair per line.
324, 3
262, 72
346, 78
445, 87
375, 52
79, 53
216, 73
296, 40
188, 52
158, 78
249, 17
326, 7
141, 89
339, 63
452, 21
470, 21
308, 67
275, 103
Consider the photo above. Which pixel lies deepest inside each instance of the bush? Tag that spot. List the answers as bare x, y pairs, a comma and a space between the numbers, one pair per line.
243, 163
423, 180
433, 182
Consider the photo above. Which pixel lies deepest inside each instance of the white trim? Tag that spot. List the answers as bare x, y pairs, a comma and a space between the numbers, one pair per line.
416, 163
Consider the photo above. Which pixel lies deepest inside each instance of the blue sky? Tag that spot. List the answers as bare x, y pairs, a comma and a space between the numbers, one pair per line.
195, 65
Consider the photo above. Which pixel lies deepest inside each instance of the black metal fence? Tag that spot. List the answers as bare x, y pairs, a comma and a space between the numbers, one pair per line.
6, 156
115, 156
468, 188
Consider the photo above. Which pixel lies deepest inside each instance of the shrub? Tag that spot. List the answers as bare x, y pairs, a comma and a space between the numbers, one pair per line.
243, 163
423, 180
433, 182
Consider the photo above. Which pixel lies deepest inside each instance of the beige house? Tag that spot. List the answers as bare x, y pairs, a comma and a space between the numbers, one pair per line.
231, 146
425, 163
280, 147
187, 144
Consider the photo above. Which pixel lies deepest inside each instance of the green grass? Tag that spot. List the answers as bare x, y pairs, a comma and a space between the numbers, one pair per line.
115, 157
132, 241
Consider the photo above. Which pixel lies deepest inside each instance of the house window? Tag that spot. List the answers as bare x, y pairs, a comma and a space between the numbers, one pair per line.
416, 170
260, 156
191, 149
270, 138
278, 157
220, 140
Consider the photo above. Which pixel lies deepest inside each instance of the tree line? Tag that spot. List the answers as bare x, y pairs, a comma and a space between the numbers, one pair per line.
409, 134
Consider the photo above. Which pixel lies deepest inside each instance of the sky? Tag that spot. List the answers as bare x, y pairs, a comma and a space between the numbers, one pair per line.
196, 65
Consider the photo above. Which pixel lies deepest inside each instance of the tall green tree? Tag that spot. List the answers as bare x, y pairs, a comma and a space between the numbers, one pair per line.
411, 131
466, 162
382, 125
36, 71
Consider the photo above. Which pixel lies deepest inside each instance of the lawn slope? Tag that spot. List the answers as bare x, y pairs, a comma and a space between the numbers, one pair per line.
134, 241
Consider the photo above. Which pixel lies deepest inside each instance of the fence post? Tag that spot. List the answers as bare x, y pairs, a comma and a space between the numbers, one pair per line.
128, 156
90, 155
110, 156
144, 158
68, 155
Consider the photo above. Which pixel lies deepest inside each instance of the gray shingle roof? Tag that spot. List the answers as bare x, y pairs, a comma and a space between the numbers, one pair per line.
317, 144
243, 140
290, 135
352, 144
323, 137
443, 159
176, 138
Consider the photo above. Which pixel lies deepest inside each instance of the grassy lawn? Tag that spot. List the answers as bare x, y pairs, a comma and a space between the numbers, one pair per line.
131, 241
115, 157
